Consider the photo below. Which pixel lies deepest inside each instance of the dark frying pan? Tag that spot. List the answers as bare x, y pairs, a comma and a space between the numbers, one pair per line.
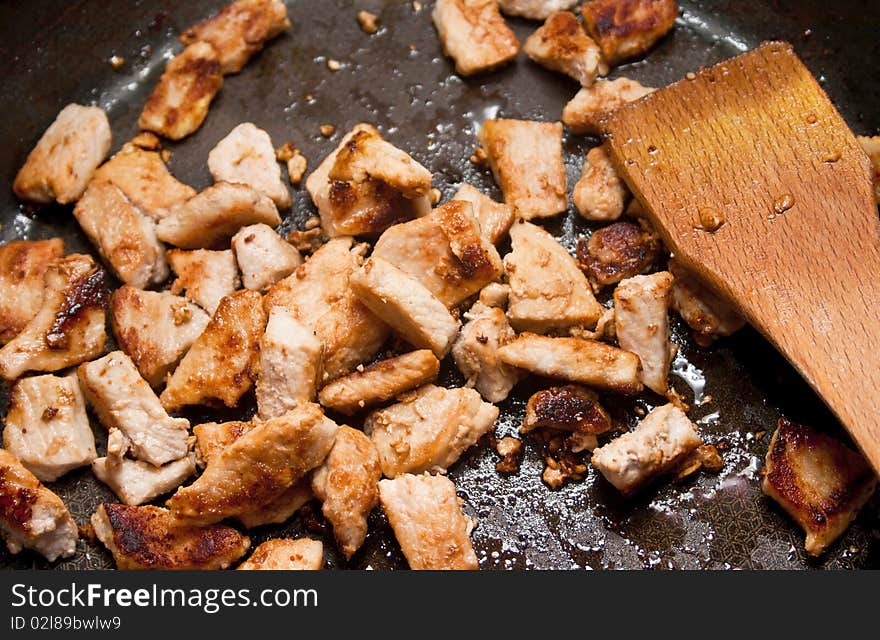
58, 52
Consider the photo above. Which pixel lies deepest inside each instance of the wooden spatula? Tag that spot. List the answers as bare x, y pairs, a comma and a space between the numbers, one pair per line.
757, 184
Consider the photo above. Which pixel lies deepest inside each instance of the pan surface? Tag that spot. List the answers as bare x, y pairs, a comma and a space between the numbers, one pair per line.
398, 79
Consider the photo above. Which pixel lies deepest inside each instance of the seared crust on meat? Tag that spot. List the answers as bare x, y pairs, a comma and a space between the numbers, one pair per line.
704, 312
474, 34
213, 437
380, 381
280, 509
239, 30
493, 217
285, 554
570, 408
222, 363
179, 102
23, 265
153, 538
204, 276
600, 194
616, 252
68, 328
627, 29
561, 44
583, 112
818, 480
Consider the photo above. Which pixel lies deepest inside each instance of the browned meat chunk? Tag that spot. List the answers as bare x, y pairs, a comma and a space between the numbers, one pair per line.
706, 313
534, 9
205, 276
818, 480
627, 29
137, 482
61, 164
263, 256
582, 113
476, 352
600, 193
213, 437
285, 554
618, 251
871, 146
474, 34
561, 44
493, 217
570, 408
247, 156
279, 510
23, 266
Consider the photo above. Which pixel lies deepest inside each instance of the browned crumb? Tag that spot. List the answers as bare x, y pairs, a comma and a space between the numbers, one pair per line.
561, 465
333, 65
417, 6
510, 450
147, 141
117, 62
368, 21
296, 167
165, 154
87, 532
435, 196
480, 157
703, 457
313, 223
675, 398
285, 152
327, 130
307, 241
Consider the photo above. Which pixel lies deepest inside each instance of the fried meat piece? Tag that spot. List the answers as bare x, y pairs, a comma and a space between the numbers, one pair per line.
627, 29
641, 321
123, 400
569, 408
493, 217
213, 437
125, 237
47, 428
582, 113
474, 35
704, 312
534, 9
429, 429
476, 352
547, 289
155, 329
583, 361
68, 328
213, 216
380, 381
179, 102
600, 194
871, 146
526, 159
428, 522
61, 164
137, 482
561, 44
154, 538
319, 295
405, 305
258, 466
222, 362
286, 554
347, 484
290, 364
657, 445
239, 30
280, 509
246, 156
616, 252
31, 516
204, 276
818, 480
23, 266
263, 256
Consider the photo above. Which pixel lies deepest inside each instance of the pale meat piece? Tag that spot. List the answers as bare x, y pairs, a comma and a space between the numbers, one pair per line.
380, 381
658, 444
445, 251
180, 101
213, 437
47, 428
155, 329
246, 156
569, 408
280, 509
142, 176
405, 305
153, 538
61, 164
641, 321
347, 484
123, 400
818, 480
547, 289
561, 44
290, 364
204, 276
136, 482
31, 516
429, 429
871, 146
239, 30
626, 29
495, 295
222, 363
124, 237
319, 295
493, 217
215, 215
583, 361
425, 514
263, 256
616, 252
582, 113
526, 159
258, 466
707, 314
368, 205
534, 9
68, 328
286, 554
476, 352
600, 194
474, 35
23, 266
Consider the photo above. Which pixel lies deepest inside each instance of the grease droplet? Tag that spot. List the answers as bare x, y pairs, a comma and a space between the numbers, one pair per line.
711, 219
783, 203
